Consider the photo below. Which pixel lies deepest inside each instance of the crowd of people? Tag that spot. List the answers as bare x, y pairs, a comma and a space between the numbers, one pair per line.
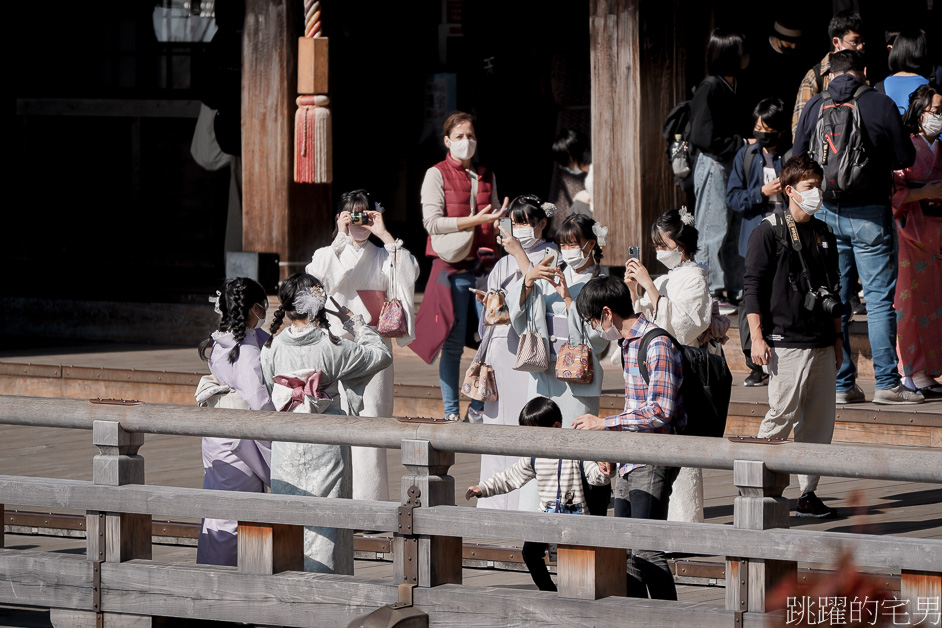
781, 228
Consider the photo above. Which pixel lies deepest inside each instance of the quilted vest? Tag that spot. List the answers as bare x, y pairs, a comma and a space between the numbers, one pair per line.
458, 201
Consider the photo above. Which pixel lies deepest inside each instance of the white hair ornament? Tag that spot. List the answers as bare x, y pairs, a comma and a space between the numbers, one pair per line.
215, 301
601, 234
685, 216
549, 209
310, 302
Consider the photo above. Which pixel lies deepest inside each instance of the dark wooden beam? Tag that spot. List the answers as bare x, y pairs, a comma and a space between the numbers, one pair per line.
278, 215
637, 71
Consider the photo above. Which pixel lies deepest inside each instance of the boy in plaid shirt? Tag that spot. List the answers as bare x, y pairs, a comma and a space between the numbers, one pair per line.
641, 491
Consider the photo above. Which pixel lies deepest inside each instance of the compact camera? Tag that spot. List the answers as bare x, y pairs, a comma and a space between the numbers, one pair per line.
360, 218
825, 301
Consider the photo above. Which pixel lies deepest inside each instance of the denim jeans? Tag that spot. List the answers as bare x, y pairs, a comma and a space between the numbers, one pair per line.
717, 225
866, 236
449, 362
644, 493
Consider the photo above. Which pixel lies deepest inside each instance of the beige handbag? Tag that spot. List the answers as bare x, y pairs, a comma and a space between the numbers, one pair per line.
531, 350
479, 381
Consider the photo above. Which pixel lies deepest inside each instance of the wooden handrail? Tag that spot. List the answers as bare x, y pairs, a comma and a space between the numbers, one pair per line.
854, 461
701, 538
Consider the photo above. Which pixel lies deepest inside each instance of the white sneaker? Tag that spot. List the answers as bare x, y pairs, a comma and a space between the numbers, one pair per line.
899, 395
453, 417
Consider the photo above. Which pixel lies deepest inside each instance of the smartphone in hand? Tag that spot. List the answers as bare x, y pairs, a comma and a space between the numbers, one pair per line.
634, 253
508, 226
553, 254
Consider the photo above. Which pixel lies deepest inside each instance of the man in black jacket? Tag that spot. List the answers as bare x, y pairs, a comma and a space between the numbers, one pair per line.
862, 222
791, 268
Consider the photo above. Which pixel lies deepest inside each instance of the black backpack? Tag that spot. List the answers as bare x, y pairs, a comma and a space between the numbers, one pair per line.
682, 156
706, 388
837, 144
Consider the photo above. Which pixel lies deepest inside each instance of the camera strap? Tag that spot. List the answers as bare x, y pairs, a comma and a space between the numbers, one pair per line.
796, 246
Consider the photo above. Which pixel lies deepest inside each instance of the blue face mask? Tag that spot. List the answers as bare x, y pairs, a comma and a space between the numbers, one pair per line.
574, 171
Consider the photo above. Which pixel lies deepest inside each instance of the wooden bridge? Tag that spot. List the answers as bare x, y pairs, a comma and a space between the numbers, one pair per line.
118, 581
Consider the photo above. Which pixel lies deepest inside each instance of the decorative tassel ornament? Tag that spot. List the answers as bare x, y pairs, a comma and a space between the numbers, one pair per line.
313, 155
312, 140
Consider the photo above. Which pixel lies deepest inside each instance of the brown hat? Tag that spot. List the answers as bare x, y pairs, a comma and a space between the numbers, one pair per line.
785, 31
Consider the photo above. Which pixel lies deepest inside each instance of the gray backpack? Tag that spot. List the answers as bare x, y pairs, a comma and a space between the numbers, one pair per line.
838, 145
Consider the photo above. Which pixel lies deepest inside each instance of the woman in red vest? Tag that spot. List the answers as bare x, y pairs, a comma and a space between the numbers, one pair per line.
458, 201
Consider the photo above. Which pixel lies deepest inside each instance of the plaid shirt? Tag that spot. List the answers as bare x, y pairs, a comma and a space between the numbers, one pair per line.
650, 407
809, 87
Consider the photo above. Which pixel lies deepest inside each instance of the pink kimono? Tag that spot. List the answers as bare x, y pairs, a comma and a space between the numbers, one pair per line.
918, 297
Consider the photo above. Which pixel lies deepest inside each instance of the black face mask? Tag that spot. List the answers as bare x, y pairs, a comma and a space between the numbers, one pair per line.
766, 139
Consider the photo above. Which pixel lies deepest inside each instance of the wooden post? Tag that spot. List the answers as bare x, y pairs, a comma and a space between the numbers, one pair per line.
110, 536
637, 69
591, 573
278, 215
439, 557
2, 525
922, 592
760, 506
270, 548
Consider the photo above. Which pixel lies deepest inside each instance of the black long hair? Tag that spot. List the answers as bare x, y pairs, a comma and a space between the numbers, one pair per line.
919, 101
527, 208
670, 224
287, 293
236, 298
576, 227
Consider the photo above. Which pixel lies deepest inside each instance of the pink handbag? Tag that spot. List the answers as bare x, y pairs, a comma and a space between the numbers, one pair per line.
392, 318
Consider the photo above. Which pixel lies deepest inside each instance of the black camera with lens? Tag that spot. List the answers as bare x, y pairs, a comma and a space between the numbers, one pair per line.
360, 218
822, 299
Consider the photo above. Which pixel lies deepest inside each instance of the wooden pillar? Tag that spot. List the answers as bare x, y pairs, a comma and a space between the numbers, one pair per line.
760, 506
438, 557
270, 548
637, 68
591, 573
922, 592
278, 215
110, 536
2, 525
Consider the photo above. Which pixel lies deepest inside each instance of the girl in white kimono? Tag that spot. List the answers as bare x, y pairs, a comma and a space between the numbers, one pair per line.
543, 300
236, 382
529, 217
359, 275
680, 303
304, 367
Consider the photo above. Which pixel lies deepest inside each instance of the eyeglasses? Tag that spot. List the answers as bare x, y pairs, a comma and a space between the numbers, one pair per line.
856, 45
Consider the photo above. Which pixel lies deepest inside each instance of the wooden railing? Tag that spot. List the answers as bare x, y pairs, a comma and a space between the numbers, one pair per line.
118, 581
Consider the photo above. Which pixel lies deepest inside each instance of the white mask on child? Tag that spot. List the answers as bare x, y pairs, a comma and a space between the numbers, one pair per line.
524, 235
670, 257
261, 321
575, 258
462, 149
611, 334
810, 200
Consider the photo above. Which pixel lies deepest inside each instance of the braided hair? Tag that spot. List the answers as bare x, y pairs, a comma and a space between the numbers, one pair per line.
237, 296
576, 228
287, 293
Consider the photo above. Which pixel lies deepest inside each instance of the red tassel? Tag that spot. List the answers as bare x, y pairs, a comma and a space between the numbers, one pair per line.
312, 140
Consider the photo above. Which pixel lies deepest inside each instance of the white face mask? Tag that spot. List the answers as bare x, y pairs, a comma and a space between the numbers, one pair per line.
525, 236
261, 320
575, 258
932, 123
670, 258
810, 200
462, 149
611, 333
